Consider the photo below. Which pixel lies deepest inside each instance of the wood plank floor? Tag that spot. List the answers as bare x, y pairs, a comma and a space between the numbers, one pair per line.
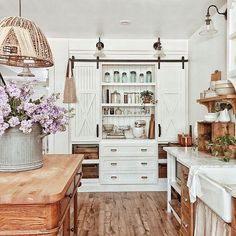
125, 214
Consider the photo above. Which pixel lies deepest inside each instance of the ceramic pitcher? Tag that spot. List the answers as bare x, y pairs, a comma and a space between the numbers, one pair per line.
224, 116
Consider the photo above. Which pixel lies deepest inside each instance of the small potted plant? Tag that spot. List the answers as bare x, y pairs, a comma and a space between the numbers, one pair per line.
147, 97
224, 146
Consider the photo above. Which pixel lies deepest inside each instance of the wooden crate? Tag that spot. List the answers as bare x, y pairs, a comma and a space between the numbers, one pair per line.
162, 154
89, 151
90, 171
162, 173
210, 131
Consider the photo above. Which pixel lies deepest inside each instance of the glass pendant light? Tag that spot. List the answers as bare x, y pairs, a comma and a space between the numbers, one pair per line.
159, 50
99, 51
209, 28
22, 42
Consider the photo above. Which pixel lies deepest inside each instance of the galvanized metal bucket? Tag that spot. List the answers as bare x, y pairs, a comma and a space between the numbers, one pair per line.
19, 151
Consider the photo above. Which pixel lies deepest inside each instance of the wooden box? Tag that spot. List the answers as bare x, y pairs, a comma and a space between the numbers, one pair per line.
210, 131
162, 173
90, 171
89, 151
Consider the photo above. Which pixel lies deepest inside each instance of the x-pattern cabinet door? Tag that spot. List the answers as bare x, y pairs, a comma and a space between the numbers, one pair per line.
171, 93
84, 126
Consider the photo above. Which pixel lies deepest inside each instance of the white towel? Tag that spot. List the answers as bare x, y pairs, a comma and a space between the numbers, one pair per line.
194, 184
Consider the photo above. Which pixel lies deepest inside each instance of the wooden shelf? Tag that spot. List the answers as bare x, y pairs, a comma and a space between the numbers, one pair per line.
140, 115
175, 205
128, 84
127, 105
211, 102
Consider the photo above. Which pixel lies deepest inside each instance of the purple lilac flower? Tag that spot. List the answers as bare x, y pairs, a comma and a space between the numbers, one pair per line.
3, 127
12, 90
14, 121
26, 126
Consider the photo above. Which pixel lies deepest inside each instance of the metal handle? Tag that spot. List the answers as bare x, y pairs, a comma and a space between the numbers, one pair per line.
79, 173
69, 195
113, 164
143, 149
159, 130
113, 150
144, 177
113, 177
97, 130
144, 163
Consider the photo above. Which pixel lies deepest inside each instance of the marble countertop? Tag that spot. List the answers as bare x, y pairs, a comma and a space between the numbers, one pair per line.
191, 158
196, 160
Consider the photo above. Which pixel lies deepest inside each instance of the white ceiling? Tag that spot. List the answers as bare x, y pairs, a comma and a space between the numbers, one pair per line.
90, 18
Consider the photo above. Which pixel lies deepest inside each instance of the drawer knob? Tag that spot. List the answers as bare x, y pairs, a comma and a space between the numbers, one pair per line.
72, 230
113, 177
69, 195
144, 163
113, 164
144, 177
113, 150
185, 225
143, 149
186, 199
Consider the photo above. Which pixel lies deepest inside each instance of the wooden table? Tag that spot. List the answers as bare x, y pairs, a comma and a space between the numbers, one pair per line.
38, 202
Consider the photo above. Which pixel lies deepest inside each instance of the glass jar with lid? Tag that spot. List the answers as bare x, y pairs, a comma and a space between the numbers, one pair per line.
141, 78
148, 77
115, 97
116, 78
124, 77
107, 77
133, 76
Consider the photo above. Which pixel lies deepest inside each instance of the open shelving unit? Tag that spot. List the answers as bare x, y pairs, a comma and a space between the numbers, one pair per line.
131, 110
211, 102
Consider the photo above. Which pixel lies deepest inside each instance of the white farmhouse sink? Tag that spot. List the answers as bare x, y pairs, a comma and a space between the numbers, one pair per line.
215, 185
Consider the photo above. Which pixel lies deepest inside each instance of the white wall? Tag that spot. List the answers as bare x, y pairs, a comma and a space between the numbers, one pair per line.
205, 56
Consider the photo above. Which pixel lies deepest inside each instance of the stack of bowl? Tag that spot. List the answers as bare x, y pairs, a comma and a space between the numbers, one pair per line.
224, 87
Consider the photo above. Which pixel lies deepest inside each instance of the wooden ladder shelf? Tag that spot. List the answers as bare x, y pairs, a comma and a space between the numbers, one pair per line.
211, 102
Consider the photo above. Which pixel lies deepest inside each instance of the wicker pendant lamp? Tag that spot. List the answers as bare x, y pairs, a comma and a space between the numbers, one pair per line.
23, 43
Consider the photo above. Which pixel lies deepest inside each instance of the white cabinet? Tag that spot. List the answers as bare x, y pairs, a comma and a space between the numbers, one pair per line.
171, 94
129, 163
232, 39
85, 125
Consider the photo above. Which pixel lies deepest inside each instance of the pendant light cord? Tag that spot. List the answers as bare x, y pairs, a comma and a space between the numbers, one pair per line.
19, 8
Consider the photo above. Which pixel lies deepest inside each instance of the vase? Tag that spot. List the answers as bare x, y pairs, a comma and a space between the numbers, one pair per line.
19, 151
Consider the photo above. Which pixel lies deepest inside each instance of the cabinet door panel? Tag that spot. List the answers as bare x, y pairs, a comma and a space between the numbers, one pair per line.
84, 124
171, 82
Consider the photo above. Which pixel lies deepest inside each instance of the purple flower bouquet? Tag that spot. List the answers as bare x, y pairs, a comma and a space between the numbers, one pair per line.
18, 109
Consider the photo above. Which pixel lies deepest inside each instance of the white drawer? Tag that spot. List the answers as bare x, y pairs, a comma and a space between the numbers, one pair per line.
129, 178
120, 165
128, 150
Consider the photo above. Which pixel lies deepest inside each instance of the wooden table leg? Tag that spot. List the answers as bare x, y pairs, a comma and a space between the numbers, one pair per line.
75, 213
66, 224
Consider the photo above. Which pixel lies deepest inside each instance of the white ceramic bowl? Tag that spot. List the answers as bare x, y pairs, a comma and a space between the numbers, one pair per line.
225, 91
138, 132
108, 127
209, 118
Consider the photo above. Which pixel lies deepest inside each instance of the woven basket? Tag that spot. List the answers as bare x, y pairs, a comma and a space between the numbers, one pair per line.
22, 42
